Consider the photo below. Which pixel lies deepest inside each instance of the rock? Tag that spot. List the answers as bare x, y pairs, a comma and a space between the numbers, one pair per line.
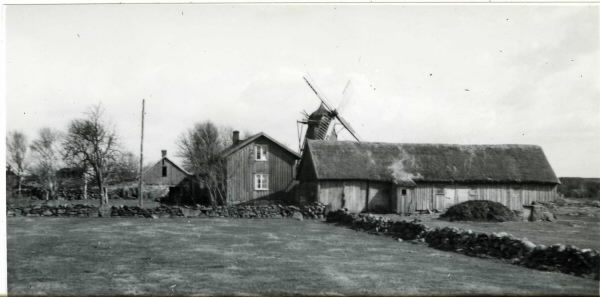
541, 213
298, 216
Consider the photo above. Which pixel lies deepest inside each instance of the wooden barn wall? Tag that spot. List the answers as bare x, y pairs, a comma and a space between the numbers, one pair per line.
442, 196
330, 193
153, 176
356, 196
241, 167
379, 199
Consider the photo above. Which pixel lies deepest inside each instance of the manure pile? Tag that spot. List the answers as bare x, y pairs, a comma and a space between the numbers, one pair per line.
479, 210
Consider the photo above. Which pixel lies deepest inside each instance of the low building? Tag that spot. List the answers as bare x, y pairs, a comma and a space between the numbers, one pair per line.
404, 178
258, 167
165, 172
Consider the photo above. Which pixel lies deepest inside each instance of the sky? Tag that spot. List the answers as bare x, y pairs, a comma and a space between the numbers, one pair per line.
464, 74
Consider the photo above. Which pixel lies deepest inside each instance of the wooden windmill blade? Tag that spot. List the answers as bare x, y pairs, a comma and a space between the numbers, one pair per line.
346, 94
348, 127
319, 95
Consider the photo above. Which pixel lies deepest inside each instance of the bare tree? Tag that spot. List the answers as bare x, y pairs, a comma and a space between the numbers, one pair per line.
16, 149
47, 158
124, 168
200, 148
92, 143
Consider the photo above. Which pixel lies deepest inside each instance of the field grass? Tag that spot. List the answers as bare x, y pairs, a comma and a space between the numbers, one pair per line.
89, 256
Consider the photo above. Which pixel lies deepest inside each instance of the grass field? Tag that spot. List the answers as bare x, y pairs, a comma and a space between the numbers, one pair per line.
219, 256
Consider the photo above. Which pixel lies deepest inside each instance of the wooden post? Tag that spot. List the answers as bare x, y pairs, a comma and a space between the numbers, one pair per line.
141, 187
84, 188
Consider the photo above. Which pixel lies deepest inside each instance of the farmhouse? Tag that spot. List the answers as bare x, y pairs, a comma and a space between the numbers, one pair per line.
258, 168
404, 178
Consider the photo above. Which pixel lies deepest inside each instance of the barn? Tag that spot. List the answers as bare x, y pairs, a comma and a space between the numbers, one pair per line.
405, 178
258, 167
165, 172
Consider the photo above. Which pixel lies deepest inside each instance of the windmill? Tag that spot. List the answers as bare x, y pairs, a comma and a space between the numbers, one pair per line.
323, 121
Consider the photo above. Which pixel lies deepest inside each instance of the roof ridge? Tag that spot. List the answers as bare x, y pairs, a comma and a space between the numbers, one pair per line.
420, 143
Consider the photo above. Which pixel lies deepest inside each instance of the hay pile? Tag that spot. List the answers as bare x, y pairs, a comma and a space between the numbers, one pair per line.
479, 210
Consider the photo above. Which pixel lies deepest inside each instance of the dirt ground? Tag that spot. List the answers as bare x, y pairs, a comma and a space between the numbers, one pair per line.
91, 256
578, 224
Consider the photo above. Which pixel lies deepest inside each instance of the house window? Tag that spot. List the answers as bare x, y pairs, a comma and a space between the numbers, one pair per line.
164, 171
261, 182
260, 152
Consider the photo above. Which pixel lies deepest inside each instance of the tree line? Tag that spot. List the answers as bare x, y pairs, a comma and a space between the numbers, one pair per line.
91, 145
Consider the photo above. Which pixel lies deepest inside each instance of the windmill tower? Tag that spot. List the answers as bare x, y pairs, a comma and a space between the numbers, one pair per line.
322, 122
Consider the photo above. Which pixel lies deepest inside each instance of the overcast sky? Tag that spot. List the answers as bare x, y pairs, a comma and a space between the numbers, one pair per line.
467, 74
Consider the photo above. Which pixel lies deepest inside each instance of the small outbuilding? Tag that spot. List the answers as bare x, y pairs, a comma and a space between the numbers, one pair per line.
405, 178
258, 167
165, 172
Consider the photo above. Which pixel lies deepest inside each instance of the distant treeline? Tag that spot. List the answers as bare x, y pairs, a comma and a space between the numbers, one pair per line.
579, 187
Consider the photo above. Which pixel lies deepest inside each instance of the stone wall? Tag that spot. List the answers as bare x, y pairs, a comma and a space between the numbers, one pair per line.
558, 257
312, 211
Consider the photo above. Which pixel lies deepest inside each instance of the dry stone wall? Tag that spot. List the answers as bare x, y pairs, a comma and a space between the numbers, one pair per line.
312, 211
567, 259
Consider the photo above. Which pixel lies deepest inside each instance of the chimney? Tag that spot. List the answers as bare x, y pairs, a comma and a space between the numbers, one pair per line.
236, 137
164, 153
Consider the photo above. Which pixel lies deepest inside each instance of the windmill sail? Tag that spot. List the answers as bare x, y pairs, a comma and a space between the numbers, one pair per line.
320, 124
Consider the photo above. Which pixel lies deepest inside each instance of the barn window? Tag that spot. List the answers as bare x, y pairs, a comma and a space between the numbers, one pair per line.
403, 192
260, 151
439, 191
164, 171
261, 182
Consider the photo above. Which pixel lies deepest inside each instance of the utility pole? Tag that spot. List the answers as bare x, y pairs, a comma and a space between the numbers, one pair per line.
141, 187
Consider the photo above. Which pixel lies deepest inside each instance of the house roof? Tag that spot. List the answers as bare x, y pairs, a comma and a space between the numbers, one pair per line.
172, 163
232, 149
410, 163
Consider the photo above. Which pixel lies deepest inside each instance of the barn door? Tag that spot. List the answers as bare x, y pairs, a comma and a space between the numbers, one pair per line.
354, 196
406, 203
449, 197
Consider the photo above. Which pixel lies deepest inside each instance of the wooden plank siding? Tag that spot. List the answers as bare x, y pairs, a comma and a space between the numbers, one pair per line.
425, 196
360, 196
242, 165
379, 199
356, 196
153, 176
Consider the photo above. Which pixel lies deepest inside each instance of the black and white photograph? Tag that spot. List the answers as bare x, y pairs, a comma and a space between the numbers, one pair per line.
269, 149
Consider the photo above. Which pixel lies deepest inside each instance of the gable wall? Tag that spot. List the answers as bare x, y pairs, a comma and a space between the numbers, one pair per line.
241, 167
153, 176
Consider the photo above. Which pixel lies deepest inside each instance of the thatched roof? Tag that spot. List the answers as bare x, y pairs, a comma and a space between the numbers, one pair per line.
409, 164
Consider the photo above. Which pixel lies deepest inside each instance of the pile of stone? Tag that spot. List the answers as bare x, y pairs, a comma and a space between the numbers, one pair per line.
566, 259
79, 210
135, 211
312, 211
